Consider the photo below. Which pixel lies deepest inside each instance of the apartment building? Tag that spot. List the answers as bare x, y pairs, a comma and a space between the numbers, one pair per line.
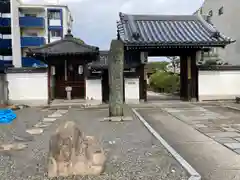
26, 25
223, 15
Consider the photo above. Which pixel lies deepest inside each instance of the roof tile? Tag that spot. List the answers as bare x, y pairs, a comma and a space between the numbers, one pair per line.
166, 30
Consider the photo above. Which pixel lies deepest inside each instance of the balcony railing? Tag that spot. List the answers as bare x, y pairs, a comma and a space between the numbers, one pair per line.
32, 41
5, 43
36, 22
25, 42
31, 62
5, 22
32, 22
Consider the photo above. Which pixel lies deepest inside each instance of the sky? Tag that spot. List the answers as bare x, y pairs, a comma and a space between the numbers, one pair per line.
95, 20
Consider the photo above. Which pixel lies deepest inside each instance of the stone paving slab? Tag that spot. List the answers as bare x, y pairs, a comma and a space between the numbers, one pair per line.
200, 126
192, 114
225, 140
229, 129
207, 129
223, 134
27, 118
226, 112
217, 122
13, 146
233, 145
212, 160
238, 139
237, 151
35, 131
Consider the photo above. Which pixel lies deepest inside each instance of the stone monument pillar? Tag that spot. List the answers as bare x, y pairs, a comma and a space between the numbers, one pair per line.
116, 68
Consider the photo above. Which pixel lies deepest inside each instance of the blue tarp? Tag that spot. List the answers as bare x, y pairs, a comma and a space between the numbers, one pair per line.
7, 116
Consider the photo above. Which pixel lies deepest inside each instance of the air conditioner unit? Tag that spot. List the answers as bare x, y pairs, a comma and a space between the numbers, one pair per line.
144, 57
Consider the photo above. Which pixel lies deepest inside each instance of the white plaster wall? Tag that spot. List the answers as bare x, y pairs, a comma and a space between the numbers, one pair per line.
53, 39
5, 36
6, 58
94, 89
131, 90
218, 85
65, 20
55, 22
16, 42
46, 24
28, 88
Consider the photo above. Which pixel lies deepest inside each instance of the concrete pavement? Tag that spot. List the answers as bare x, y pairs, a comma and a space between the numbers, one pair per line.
211, 159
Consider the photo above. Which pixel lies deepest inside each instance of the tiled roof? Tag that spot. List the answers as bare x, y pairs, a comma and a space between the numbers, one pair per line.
165, 30
102, 62
67, 45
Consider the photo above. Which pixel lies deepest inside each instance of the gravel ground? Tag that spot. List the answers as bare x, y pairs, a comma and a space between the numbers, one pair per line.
132, 152
26, 118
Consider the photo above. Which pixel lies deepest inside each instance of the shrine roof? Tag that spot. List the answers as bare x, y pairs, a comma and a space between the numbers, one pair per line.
69, 45
169, 31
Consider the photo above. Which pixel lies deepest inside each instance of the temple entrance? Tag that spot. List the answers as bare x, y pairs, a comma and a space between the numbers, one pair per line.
163, 78
69, 74
186, 77
172, 78
161, 35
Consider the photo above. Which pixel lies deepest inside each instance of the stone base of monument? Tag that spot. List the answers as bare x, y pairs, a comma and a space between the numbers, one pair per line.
117, 118
72, 153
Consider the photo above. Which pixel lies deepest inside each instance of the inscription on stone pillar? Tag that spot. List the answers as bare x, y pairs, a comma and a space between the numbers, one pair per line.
116, 67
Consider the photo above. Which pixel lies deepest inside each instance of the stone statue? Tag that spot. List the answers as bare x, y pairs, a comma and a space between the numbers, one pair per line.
72, 153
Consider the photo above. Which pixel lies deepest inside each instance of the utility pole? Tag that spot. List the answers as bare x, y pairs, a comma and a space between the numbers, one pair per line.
115, 69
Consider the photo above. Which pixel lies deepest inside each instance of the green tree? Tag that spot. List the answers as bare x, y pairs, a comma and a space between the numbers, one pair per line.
164, 82
152, 67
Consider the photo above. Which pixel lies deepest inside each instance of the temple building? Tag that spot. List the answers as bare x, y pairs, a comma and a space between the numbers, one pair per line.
82, 69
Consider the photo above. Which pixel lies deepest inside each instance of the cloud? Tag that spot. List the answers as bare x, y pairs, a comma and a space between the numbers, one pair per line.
95, 20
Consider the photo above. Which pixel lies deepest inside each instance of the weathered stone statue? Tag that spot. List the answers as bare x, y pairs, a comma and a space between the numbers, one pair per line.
71, 153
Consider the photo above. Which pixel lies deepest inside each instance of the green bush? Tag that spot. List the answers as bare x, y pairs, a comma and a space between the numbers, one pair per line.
164, 82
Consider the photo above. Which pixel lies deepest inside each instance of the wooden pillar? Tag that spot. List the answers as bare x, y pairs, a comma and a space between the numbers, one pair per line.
183, 78
142, 83
143, 76
116, 63
49, 82
195, 58
145, 83
193, 76
105, 86
189, 78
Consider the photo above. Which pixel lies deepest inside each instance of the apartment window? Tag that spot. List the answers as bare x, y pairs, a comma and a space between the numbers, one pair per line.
32, 34
210, 13
54, 15
30, 15
220, 11
55, 33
